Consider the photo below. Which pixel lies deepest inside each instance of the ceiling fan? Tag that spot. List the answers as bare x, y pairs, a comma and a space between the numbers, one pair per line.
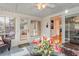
41, 6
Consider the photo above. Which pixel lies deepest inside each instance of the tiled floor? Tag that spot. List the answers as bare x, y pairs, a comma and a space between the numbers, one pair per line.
16, 51
24, 51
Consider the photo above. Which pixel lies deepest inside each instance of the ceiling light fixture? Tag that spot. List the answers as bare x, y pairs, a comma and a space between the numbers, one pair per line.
66, 11
41, 6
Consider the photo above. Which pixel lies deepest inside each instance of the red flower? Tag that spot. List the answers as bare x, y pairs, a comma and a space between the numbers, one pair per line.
43, 38
35, 41
51, 41
57, 49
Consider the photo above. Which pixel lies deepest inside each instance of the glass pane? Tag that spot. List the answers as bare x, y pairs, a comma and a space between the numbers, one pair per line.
23, 29
10, 27
34, 25
2, 25
67, 29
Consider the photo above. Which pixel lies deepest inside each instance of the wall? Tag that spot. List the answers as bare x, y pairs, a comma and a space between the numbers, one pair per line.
45, 31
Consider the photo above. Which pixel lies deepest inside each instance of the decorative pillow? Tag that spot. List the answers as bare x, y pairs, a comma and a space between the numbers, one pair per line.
0, 38
1, 41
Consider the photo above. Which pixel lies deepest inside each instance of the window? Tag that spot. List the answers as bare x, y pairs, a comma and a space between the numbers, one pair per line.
7, 27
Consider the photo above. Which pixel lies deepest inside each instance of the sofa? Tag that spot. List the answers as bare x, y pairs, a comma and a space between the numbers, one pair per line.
70, 49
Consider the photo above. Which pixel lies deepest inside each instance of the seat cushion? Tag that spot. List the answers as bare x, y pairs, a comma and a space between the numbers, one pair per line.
3, 45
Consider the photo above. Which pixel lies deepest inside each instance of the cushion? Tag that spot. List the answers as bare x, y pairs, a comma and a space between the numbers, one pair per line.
0, 38
1, 41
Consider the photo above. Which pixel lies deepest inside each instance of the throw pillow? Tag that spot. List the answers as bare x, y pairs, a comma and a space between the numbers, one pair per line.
1, 41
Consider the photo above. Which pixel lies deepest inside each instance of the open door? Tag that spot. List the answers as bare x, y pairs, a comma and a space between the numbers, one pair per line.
56, 29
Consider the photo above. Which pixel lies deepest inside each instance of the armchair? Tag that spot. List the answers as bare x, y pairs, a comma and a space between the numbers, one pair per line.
6, 45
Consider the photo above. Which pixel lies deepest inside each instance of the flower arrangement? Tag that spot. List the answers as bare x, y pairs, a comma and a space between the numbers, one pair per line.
46, 46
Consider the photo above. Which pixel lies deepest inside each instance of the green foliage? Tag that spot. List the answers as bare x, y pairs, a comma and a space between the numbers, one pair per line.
46, 49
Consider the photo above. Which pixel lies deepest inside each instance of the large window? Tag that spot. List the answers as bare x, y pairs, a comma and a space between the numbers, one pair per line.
24, 29
72, 29
7, 27
35, 28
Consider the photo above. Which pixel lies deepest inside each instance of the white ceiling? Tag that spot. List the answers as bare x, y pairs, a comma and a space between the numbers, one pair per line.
30, 9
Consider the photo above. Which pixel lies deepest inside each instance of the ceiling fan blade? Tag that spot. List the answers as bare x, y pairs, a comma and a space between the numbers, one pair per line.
50, 5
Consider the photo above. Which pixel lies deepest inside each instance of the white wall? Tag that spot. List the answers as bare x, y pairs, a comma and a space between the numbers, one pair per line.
45, 31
